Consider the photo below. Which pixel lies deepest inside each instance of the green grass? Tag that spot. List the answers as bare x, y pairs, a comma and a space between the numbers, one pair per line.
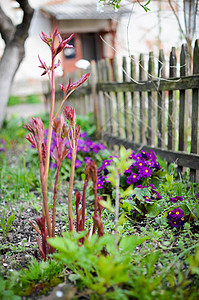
30, 99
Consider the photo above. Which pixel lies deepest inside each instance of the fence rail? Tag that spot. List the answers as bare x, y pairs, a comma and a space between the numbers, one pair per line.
144, 110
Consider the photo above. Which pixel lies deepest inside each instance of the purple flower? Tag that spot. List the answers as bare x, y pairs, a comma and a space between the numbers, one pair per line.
140, 164
78, 163
96, 148
151, 155
144, 154
197, 196
146, 198
129, 170
157, 195
141, 186
101, 146
175, 223
69, 155
176, 213
106, 163
87, 159
99, 184
152, 186
3, 143
157, 165
53, 165
176, 199
132, 155
145, 172
137, 156
150, 163
83, 135
132, 178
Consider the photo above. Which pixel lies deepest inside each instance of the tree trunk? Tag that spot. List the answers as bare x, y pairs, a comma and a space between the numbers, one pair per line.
9, 64
14, 37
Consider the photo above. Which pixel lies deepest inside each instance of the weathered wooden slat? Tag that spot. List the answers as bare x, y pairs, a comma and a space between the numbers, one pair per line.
82, 91
108, 95
142, 120
134, 103
161, 102
172, 102
169, 84
183, 107
100, 96
93, 95
151, 104
194, 175
181, 158
105, 98
116, 78
125, 99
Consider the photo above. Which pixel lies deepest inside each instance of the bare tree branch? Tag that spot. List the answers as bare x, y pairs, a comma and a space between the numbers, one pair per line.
22, 29
175, 14
7, 28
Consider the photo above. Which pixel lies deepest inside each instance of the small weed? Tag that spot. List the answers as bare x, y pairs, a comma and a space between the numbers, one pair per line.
5, 225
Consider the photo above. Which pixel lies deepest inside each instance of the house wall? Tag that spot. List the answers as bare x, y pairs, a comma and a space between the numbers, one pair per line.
137, 32
141, 32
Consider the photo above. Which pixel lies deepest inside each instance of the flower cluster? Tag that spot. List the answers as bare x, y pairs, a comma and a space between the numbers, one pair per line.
143, 166
176, 217
2, 145
86, 149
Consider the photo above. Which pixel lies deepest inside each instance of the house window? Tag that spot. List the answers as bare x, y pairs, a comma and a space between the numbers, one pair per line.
70, 52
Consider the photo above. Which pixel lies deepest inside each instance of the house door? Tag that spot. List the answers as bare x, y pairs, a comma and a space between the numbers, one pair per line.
90, 46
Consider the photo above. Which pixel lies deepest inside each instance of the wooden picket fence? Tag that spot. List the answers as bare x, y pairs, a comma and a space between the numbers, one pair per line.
146, 107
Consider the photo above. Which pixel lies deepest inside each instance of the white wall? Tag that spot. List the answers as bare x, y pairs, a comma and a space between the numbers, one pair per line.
143, 32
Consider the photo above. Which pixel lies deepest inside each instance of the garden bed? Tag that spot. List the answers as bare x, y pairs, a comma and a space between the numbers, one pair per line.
156, 250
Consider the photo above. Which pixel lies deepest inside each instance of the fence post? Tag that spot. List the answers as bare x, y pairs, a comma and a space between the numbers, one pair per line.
194, 174
117, 98
172, 102
184, 66
95, 98
151, 103
134, 103
109, 99
142, 102
101, 105
161, 102
125, 100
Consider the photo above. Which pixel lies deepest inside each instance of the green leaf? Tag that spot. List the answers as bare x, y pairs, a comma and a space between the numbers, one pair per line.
140, 193
10, 221
74, 277
153, 210
107, 204
128, 192
129, 243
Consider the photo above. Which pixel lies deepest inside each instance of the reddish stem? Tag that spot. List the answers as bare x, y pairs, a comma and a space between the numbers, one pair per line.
54, 200
84, 202
70, 190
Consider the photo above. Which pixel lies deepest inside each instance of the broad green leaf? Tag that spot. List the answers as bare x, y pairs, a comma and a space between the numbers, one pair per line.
107, 204
128, 192
154, 210
140, 193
